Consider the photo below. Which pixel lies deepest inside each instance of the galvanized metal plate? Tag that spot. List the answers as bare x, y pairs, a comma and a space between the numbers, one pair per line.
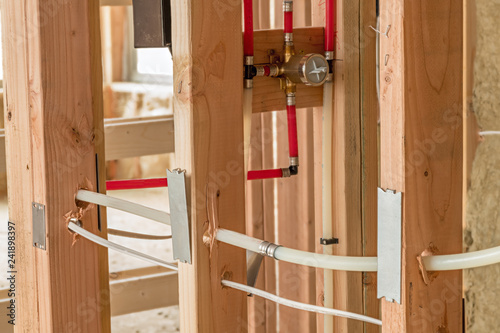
389, 245
39, 230
254, 262
179, 215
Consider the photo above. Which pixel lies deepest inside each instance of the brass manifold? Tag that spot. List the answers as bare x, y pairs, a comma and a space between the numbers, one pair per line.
291, 71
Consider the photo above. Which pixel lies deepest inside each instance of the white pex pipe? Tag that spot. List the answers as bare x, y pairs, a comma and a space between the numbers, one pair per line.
466, 260
360, 264
113, 246
238, 240
353, 264
489, 133
126, 206
342, 263
298, 305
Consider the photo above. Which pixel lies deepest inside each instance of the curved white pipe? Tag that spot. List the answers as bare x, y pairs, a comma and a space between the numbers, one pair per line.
463, 260
343, 263
354, 264
360, 264
298, 305
126, 206
113, 246
238, 240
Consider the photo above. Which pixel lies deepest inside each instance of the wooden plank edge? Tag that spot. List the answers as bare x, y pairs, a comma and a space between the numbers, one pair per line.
130, 295
116, 2
162, 126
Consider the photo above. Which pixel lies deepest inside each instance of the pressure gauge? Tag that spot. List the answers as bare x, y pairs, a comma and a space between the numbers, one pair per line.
313, 69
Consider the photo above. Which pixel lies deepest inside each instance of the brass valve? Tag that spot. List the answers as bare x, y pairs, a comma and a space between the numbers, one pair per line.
311, 69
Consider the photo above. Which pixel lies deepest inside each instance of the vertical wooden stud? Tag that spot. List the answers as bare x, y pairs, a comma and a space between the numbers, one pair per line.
208, 93
421, 154
53, 103
369, 152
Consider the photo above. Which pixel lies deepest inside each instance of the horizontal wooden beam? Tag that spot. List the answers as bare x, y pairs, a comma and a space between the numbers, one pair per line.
139, 137
267, 94
135, 273
131, 137
131, 291
116, 2
144, 293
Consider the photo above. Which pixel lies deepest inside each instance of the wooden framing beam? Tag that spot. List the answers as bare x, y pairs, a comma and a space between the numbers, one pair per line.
421, 154
262, 314
295, 195
346, 177
131, 291
131, 137
369, 153
116, 2
144, 293
53, 124
139, 137
208, 86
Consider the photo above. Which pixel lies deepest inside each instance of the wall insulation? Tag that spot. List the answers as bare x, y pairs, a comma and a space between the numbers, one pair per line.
483, 203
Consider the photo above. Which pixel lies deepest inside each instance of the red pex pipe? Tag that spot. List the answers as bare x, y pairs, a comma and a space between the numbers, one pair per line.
265, 174
248, 34
288, 22
331, 25
134, 184
292, 131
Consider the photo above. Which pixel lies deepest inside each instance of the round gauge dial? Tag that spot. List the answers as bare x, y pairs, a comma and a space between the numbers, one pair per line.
314, 68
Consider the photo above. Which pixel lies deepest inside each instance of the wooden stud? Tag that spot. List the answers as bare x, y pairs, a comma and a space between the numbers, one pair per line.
369, 153
296, 206
268, 190
421, 154
208, 88
269, 193
318, 20
346, 199
53, 88
96, 75
255, 224
113, 42
256, 215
